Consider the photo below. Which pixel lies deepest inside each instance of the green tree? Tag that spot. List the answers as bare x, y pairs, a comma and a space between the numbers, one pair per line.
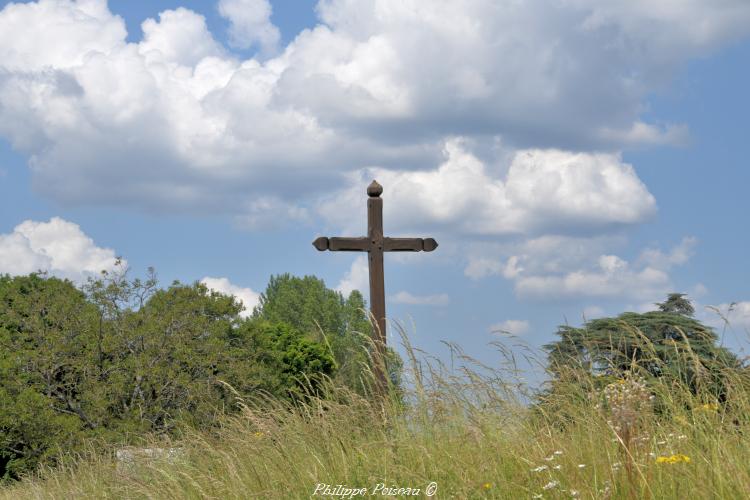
47, 378
322, 313
664, 343
292, 364
123, 357
677, 303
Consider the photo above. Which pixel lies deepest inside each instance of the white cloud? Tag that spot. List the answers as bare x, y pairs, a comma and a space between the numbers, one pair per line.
596, 283
593, 312
267, 212
56, 35
567, 267
58, 247
404, 297
736, 313
357, 278
177, 123
678, 256
180, 36
512, 326
250, 24
247, 296
480, 267
611, 277
543, 190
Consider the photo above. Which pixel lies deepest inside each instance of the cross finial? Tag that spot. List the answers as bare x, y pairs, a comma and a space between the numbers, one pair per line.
374, 190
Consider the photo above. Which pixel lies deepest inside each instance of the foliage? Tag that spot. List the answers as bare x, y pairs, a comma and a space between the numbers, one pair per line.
667, 343
293, 364
124, 357
322, 313
677, 303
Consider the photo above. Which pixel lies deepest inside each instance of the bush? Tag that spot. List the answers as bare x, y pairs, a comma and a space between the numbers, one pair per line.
121, 358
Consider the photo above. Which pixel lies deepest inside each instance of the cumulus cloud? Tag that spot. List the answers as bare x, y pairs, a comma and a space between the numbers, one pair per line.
610, 277
250, 24
678, 256
613, 278
565, 267
404, 297
58, 247
180, 36
247, 296
543, 191
737, 314
512, 326
357, 278
174, 122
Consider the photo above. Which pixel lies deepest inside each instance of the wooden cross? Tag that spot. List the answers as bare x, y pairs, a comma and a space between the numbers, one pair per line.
375, 244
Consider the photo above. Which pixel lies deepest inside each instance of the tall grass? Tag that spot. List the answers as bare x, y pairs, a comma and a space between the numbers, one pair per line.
467, 428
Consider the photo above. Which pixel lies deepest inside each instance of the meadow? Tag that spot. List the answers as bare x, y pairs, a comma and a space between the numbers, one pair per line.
469, 431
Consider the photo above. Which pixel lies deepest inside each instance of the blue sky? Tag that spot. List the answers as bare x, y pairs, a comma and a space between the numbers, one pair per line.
570, 158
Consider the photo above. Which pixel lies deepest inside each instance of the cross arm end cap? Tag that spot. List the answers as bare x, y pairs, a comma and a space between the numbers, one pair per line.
321, 243
429, 244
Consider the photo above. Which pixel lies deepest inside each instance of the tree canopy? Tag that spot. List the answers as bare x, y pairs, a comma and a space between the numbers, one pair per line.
122, 357
326, 315
667, 342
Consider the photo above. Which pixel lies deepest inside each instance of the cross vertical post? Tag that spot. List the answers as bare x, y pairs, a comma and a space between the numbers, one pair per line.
377, 281
375, 243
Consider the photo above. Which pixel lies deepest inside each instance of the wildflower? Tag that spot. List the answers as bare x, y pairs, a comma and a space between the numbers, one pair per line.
709, 407
258, 434
557, 467
581, 466
557, 452
574, 494
487, 486
673, 459
540, 468
550, 485
682, 436
549, 458
681, 420
538, 495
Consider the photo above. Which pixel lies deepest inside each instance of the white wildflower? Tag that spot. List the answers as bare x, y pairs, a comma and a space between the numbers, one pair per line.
550, 485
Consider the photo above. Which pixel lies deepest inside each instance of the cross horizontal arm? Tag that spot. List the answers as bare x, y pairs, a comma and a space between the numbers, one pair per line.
342, 244
409, 244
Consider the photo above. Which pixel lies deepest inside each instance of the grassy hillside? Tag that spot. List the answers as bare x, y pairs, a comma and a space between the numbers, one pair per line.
467, 432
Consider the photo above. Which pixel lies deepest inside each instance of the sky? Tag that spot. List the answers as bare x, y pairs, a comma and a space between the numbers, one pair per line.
573, 158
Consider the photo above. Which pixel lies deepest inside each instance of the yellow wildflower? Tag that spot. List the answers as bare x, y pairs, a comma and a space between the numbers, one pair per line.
681, 420
258, 434
487, 486
710, 407
673, 459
